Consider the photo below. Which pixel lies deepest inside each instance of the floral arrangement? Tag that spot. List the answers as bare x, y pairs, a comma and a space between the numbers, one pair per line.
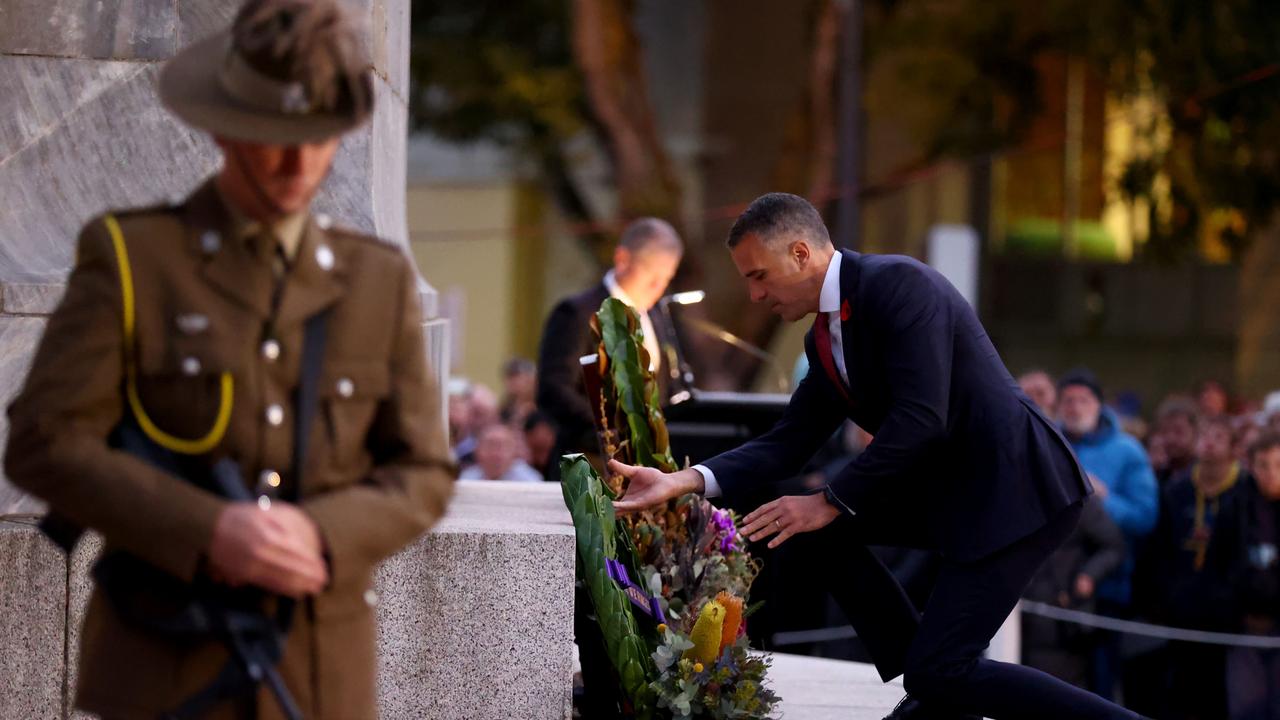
688, 558
690, 553
711, 673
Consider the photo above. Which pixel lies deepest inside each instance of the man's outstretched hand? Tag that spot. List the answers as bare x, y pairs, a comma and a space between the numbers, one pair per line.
787, 516
650, 487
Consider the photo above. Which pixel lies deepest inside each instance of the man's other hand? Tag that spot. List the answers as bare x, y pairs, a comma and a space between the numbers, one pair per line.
788, 516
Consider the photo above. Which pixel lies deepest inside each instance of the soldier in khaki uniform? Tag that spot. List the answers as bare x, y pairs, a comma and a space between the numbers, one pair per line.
190, 319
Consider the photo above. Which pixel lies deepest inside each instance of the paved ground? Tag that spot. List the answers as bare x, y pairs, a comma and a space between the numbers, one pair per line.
819, 689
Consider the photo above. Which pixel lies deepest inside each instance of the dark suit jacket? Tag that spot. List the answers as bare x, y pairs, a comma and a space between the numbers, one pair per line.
962, 460
561, 394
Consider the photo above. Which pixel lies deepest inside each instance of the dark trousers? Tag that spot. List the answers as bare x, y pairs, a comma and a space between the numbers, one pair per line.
1253, 684
940, 654
1196, 686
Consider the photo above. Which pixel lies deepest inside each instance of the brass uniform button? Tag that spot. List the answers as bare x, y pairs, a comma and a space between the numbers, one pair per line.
271, 350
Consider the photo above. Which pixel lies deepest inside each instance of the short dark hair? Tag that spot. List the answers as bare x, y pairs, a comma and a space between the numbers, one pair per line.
1082, 377
1038, 371
1221, 422
518, 366
536, 418
775, 214
650, 233
1178, 406
1265, 442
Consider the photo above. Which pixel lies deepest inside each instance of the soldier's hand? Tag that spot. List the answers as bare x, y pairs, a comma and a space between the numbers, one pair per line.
252, 546
299, 523
649, 487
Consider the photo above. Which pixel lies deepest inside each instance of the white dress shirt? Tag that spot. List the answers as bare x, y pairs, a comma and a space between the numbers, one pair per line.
828, 302
651, 343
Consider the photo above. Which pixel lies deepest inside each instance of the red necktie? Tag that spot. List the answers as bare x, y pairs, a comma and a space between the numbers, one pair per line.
822, 339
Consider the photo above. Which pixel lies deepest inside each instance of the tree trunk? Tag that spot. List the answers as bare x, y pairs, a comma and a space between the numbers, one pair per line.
1258, 343
609, 56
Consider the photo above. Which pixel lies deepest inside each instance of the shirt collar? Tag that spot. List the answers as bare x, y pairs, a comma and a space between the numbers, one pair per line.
611, 284
829, 298
287, 230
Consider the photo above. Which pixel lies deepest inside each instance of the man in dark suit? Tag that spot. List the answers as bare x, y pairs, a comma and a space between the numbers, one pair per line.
962, 462
644, 262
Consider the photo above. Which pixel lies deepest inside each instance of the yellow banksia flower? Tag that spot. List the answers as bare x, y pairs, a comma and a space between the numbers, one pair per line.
732, 618
706, 634
697, 667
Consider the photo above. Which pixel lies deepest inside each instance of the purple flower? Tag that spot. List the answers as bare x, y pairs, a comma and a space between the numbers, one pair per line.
725, 529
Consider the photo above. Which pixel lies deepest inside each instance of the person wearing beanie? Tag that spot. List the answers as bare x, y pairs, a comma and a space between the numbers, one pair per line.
1122, 477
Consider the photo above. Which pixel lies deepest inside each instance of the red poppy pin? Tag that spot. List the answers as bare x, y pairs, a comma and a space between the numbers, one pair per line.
844, 311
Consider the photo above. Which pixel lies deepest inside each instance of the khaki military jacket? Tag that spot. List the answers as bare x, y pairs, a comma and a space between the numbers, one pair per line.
378, 471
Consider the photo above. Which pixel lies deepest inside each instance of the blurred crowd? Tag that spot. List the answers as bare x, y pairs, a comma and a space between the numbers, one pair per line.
1182, 531
505, 438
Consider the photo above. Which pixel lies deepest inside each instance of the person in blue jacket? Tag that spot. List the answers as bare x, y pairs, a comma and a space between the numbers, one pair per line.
1122, 477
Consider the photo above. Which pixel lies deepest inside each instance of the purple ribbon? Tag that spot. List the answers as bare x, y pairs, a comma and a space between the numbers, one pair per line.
646, 603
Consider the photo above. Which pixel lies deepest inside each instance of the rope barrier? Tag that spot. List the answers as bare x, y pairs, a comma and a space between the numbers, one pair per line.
1134, 627
1078, 617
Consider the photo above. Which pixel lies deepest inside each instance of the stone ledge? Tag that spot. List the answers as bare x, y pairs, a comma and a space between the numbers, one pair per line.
33, 601
475, 619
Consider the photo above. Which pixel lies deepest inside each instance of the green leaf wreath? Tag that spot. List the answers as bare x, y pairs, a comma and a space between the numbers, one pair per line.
687, 554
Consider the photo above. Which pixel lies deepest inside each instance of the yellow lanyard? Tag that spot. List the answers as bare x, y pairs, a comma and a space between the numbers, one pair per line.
176, 444
1199, 541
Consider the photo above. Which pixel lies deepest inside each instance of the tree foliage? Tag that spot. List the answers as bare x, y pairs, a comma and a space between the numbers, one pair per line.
535, 75
969, 84
497, 71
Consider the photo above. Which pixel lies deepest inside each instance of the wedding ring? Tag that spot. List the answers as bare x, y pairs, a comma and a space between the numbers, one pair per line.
777, 525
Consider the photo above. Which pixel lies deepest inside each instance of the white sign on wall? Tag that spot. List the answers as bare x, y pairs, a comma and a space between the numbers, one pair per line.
953, 251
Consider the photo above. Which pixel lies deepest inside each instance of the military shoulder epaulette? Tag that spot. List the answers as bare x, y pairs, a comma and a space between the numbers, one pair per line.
149, 210
347, 233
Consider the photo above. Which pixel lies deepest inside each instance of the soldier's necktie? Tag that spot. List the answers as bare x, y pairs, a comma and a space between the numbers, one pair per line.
822, 341
268, 249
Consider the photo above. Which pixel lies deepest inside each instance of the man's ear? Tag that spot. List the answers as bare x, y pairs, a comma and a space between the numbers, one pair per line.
800, 252
621, 260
